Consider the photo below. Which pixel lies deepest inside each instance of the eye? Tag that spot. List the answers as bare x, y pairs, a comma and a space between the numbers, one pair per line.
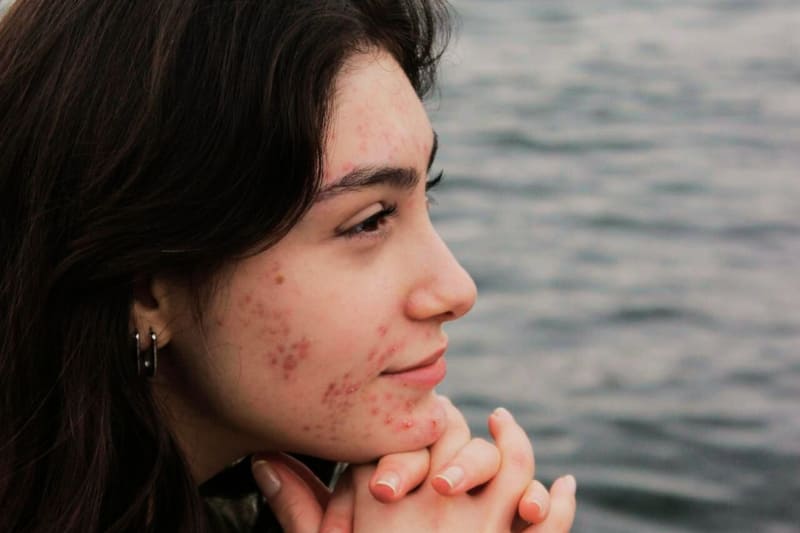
431, 184
371, 224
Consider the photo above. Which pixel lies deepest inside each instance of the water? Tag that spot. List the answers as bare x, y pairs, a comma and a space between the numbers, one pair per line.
622, 182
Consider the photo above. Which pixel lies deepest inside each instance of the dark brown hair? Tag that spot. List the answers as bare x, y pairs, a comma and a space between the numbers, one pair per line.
142, 138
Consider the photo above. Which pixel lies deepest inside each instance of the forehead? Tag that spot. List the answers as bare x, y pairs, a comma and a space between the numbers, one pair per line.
377, 118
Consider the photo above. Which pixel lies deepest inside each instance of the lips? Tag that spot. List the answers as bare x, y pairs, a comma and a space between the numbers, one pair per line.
424, 374
421, 364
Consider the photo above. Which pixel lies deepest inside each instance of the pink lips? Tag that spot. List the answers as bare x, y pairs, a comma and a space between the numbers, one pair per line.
427, 374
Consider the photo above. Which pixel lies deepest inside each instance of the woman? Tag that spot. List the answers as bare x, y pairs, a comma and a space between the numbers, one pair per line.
216, 243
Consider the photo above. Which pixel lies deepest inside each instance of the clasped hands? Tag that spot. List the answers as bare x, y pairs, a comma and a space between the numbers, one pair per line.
458, 484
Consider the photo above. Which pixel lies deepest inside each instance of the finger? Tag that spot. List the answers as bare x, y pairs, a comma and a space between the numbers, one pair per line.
455, 437
535, 503
321, 491
338, 517
562, 508
399, 473
474, 464
292, 500
516, 467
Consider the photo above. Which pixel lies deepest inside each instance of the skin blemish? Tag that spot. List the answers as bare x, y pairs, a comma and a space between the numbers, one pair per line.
301, 348
279, 279
388, 420
371, 355
407, 424
375, 411
306, 428
382, 331
290, 363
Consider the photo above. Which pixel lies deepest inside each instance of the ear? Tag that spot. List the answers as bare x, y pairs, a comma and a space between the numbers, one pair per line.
156, 303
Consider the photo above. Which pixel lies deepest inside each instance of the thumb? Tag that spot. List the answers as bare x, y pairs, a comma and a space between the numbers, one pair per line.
290, 497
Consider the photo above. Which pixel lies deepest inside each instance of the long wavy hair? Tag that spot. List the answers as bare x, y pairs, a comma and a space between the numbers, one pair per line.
142, 138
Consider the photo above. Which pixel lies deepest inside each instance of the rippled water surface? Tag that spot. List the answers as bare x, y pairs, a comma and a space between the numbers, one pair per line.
623, 183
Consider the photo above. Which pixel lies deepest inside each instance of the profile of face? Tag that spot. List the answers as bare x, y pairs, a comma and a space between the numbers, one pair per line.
330, 342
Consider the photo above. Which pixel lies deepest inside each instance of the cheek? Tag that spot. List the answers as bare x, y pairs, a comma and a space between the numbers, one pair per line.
261, 325
375, 404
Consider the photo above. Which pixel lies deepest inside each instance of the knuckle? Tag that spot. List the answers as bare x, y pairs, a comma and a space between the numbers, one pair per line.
519, 458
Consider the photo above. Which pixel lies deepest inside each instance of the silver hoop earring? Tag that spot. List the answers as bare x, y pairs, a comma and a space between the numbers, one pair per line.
146, 361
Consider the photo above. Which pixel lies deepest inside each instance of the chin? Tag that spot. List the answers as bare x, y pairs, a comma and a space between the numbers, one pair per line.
380, 446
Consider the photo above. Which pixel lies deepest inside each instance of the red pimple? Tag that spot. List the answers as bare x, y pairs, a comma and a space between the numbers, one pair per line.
375, 411
306, 428
407, 424
290, 363
371, 355
388, 396
382, 330
388, 420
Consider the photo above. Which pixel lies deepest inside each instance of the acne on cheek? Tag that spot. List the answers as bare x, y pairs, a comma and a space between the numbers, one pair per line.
286, 351
386, 410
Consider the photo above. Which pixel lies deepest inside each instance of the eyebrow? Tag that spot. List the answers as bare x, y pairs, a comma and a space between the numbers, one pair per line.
360, 178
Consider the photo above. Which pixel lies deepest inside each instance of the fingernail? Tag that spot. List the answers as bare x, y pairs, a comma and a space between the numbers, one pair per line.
390, 480
571, 483
537, 504
453, 475
269, 481
502, 412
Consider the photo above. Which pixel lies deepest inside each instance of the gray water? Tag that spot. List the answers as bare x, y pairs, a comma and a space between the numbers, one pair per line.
622, 182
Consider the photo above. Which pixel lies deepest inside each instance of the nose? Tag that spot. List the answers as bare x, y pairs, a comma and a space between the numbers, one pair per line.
442, 289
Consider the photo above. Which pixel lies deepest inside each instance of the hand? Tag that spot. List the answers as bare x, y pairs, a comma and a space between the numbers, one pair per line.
302, 500
493, 509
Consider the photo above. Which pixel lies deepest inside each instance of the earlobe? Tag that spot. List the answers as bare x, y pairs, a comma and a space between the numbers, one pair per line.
154, 308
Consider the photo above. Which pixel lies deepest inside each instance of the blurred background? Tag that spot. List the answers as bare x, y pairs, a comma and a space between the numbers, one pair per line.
622, 181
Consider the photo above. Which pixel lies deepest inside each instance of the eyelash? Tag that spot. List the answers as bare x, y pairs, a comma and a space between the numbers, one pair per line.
373, 223
432, 184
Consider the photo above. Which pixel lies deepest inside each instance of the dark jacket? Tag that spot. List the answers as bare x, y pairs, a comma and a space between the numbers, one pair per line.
234, 503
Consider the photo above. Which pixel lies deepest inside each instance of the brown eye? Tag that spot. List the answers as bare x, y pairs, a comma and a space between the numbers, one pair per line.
372, 223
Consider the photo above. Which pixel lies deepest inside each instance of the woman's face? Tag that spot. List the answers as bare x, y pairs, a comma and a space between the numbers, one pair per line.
307, 346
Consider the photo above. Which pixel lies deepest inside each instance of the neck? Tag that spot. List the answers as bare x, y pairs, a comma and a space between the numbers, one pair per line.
207, 447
